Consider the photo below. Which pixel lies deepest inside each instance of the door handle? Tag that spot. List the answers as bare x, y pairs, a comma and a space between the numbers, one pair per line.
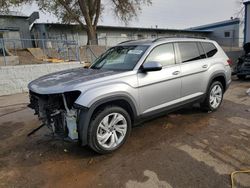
176, 72
204, 66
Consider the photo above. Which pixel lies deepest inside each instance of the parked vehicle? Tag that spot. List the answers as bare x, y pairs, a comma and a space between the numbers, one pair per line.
242, 69
132, 81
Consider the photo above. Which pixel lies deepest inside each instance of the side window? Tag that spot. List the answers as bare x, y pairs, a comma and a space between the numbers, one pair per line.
189, 51
201, 50
163, 54
209, 48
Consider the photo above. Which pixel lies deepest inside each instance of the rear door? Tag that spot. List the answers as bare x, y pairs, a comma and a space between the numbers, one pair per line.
193, 67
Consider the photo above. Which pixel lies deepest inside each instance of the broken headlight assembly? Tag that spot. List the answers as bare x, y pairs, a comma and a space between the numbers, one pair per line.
56, 111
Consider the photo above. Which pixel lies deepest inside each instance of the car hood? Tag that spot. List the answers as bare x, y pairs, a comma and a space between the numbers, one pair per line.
66, 80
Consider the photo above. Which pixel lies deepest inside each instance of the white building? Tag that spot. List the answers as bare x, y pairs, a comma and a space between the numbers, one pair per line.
107, 35
228, 33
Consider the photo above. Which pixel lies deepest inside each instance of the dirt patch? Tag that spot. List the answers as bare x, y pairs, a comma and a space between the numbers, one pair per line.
6, 131
25, 57
188, 148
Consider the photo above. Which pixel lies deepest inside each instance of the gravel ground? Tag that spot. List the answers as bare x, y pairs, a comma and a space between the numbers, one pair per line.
188, 148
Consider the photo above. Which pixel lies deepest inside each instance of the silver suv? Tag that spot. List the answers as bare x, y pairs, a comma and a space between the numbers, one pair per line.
130, 82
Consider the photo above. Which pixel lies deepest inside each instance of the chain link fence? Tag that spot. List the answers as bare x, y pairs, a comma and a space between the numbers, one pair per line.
34, 51
31, 51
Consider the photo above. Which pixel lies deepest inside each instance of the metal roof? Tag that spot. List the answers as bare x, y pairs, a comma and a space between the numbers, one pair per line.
216, 25
126, 28
13, 14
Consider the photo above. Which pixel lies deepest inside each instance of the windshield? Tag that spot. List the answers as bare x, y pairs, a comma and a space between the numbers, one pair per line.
120, 58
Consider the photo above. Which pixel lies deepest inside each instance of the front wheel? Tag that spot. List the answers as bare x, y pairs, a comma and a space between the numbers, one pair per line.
109, 129
214, 97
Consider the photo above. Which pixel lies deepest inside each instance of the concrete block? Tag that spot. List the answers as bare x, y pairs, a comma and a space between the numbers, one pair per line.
10, 60
14, 79
3, 75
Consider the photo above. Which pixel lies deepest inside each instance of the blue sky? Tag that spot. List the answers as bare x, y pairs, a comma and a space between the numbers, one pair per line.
165, 13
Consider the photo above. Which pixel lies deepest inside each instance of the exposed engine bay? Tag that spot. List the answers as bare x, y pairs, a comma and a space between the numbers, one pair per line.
57, 112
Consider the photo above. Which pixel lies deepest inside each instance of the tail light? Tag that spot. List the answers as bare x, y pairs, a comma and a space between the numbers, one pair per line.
230, 62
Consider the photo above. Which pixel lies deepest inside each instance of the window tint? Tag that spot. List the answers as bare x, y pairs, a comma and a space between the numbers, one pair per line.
164, 54
201, 50
120, 58
189, 51
209, 48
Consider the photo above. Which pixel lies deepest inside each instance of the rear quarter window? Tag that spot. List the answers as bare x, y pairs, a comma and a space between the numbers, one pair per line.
209, 49
201, 50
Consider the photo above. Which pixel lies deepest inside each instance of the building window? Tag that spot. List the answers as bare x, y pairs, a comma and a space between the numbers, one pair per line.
130, 36
140, 36
103, 34
227, 34
153, 36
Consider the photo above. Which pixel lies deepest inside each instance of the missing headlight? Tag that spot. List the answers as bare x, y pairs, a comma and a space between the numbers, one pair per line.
57, 112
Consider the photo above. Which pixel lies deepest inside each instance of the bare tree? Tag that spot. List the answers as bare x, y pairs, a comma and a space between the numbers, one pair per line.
84, 12
240, 10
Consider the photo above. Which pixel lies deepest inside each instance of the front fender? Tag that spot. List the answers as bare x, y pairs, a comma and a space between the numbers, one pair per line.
91, 96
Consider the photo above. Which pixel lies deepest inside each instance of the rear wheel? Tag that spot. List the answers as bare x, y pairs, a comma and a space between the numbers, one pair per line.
214, 97
109, 129
241, 77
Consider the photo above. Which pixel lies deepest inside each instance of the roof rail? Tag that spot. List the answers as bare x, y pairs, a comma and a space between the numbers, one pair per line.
160, 38
196, 37
126, 41
167, 37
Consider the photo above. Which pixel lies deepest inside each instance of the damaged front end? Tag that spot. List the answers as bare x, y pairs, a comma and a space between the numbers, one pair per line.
57, 112
243, 65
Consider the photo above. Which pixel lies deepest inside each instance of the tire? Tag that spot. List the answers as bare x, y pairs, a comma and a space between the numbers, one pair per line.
109, 129
241, 77
214, 97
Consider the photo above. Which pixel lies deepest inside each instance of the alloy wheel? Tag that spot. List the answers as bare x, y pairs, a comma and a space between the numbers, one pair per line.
111, 130
215, 96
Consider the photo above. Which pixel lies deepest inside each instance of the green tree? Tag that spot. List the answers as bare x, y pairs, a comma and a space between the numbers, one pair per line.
84, 12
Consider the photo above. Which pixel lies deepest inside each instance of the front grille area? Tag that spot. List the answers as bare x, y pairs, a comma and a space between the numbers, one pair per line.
51, 110
49, 102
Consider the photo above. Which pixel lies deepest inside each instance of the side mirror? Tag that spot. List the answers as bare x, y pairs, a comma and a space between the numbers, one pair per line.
151, 66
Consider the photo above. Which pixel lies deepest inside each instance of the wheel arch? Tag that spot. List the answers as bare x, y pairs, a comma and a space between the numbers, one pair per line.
221, 77
86, 114
215, 77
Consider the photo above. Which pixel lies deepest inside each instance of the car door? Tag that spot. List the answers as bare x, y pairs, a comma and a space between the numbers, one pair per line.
162, 88
193, 66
